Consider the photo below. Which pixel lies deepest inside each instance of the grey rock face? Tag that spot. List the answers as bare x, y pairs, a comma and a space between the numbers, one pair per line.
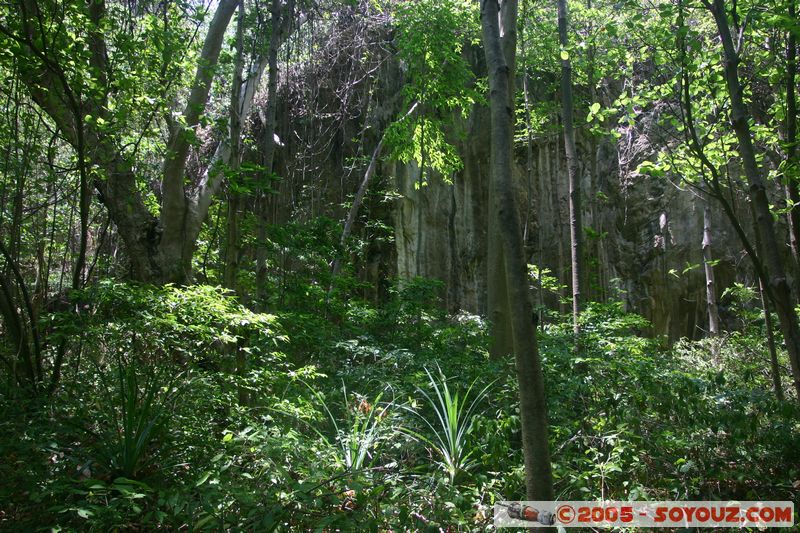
642, 234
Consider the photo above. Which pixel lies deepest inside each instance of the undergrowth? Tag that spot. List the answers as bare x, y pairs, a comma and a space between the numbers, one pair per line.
372, 418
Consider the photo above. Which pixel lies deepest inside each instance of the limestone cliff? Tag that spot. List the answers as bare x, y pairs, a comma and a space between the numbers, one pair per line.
643, 234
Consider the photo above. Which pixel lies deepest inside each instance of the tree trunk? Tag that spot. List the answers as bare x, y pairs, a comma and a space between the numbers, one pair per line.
500, 309
269, 152
160, 248
595, 288
180, 220
575, 225
560, 270
777, 287
791, 171
233, 244
711, 291
538, 259
233, 247
501, 343
774, 367
533, 407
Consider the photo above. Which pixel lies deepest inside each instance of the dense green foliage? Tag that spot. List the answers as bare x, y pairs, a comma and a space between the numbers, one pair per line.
369, 423
192, 339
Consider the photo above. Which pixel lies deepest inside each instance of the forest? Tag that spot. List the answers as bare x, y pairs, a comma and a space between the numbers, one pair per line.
377, 265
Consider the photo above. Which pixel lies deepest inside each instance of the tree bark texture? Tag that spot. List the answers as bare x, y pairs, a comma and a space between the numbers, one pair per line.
533, 407
711, 291
575, 224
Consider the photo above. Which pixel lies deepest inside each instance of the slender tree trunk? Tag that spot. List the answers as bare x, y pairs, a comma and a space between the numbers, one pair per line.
778, 287
528, 158
269, 151
792, 171
538, 311
543, 156
561, 270
533, 407
765, 306
233, 246
352, 213
423, 160
774, 367
575, 225
711, 291
599, 295
17, 311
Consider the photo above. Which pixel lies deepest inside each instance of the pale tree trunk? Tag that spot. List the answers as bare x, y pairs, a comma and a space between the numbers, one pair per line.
711, 291
777, 286
533, 407
561, 271
269, 150
352, 213
593, 183
423, 159
181, 220
575, 225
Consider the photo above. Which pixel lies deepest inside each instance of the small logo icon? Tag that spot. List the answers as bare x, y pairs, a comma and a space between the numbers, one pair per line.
518, 511
565, 514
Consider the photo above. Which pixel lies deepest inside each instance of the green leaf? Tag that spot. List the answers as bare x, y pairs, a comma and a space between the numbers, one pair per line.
203, 479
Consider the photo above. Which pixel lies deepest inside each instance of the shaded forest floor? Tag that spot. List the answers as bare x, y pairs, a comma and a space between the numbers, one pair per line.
332, 424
